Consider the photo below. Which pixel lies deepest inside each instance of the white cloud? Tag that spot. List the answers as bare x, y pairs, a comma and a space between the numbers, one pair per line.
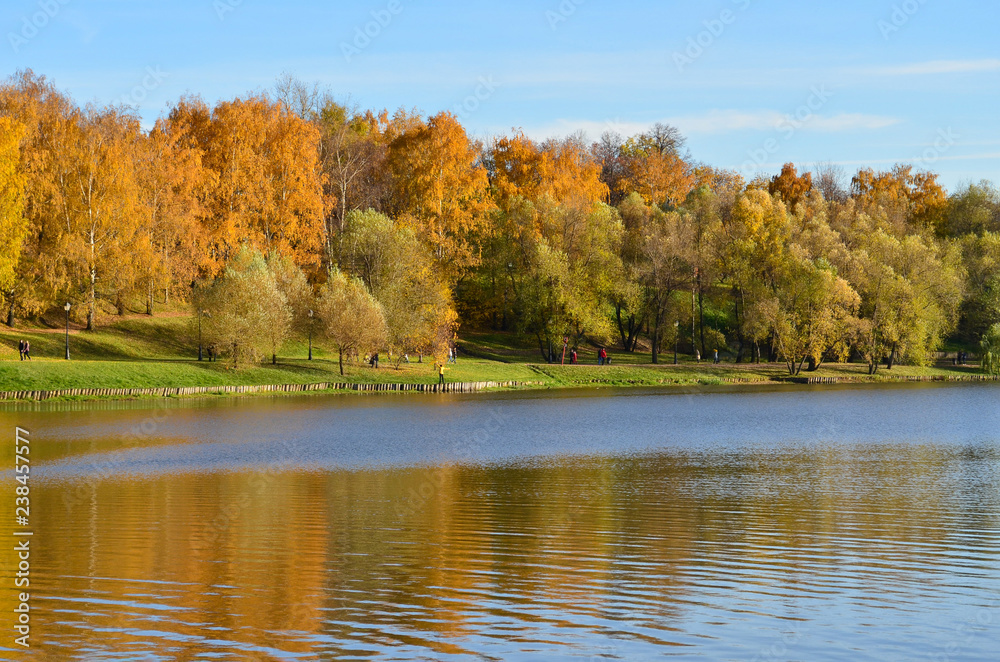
937, 67
716, 122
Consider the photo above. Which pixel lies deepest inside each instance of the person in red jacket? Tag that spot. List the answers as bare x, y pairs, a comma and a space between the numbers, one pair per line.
602, 356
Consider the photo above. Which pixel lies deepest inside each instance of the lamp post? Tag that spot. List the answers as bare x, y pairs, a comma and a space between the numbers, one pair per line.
66, 308
311, 335
677, 337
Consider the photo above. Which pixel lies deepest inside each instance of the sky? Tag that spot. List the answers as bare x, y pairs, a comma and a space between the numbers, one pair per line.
752, 84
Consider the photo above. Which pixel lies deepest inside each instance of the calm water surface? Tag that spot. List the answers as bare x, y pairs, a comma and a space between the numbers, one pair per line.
782, 525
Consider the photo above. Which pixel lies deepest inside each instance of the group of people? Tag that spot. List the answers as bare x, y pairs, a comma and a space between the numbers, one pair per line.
24, 349
372, 359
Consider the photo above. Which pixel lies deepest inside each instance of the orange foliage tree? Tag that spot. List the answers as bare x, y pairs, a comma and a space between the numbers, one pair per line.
655, 170
440, 188
268, 191
790, 186
902, 191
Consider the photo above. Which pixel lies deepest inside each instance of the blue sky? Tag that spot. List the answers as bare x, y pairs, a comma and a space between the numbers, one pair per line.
752, 83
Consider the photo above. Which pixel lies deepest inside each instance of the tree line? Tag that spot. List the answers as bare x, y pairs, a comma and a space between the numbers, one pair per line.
392, 229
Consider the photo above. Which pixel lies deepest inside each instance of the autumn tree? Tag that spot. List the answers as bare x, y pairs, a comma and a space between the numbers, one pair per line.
174, 185
981, 261
974, 210
352, 320
910, 291
607, 154
403, 277
562, 171
268, 185
665, 270
249, 316
905, 195
439, 188
830, 180
654, 167
790, 186
628, 296
756, 241
104, 208
50, 121
13, 227
353, 155
562, 270
293, 285
351, 148
811, 310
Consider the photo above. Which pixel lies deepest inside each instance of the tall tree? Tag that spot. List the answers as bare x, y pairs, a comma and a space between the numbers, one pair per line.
910, 292
51, 125
790, 186
665, 270
440, 188
249, 316
905, 195
352, 319
13, 226
269, 186
173, 187
401, 274
105, 207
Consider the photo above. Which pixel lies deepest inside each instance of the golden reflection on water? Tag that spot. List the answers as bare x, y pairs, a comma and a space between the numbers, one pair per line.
456, 559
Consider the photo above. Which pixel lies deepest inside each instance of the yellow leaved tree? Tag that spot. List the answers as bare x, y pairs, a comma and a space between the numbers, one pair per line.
13, 226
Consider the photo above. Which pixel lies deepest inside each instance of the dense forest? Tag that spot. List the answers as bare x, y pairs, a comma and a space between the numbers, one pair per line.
274, 210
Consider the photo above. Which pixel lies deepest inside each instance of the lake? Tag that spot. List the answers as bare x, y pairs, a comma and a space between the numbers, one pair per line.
785, 524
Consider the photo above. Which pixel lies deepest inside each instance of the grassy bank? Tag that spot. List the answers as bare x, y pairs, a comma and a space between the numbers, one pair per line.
143, 352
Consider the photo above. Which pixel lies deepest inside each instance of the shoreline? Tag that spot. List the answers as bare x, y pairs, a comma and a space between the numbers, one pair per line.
373, 388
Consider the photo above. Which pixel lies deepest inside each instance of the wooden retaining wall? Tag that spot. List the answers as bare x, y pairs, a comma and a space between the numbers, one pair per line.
454, 387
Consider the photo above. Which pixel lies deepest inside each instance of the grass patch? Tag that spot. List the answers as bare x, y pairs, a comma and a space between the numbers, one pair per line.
152, 352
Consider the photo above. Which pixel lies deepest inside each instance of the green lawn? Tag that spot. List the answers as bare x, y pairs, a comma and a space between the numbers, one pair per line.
150, 352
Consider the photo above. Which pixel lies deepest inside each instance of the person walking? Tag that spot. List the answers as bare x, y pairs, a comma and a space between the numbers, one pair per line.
572, 357
602, 356
27, 350
717, 360
20, 349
